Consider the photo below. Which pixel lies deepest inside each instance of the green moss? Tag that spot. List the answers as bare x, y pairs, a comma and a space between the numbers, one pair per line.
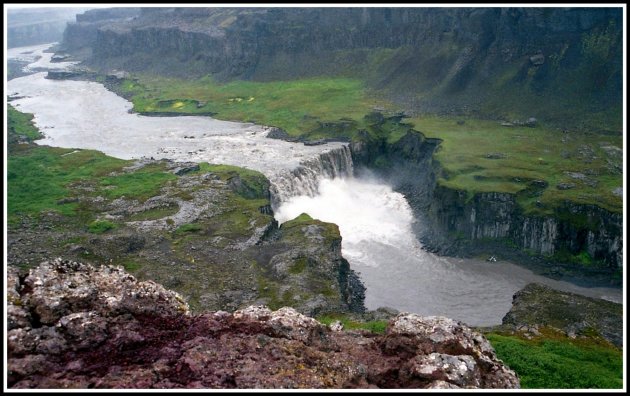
299, 266
560, 363
188, 228
101, 226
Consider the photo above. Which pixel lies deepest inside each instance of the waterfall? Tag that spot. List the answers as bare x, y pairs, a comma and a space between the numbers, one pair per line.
305, 178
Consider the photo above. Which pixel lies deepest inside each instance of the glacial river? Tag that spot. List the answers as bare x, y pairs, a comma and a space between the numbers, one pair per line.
375, 221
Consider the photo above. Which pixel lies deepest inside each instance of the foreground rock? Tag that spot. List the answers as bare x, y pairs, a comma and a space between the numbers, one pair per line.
74, 326
538, 305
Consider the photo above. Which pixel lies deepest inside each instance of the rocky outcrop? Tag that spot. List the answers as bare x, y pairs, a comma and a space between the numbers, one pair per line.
538, 305
82, 34
75, 326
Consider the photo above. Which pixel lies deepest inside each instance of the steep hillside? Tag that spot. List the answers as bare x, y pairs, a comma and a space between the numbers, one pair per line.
561, 65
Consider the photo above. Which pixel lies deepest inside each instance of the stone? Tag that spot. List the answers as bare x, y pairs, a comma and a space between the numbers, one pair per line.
538, 305
117, 332
565, 186
336, 326
537, 60
531, 122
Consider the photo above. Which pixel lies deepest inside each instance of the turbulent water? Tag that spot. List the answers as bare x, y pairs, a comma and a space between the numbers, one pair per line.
378, 241
375, 222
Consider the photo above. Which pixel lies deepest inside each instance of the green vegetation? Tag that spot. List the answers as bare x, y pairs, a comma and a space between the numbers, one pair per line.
39, 177
558, 362
100, 226
42, 178
292, 229
131, 266
247, 183
299, 266
188, 228
21, 124
583, 258
142, 184
522, 155
374, 326
296, 106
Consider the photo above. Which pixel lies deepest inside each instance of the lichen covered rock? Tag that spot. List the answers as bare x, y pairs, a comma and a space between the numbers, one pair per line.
76, 326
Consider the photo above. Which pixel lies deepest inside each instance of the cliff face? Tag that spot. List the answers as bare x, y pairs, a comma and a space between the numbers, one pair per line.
574, 229
451, 222
81, 35
428, 59
75, 326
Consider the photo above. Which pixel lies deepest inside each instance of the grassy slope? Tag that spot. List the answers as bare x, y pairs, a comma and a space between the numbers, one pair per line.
553, 361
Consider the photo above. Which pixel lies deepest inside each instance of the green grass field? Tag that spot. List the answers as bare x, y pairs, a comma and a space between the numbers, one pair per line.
42, 178
295, 106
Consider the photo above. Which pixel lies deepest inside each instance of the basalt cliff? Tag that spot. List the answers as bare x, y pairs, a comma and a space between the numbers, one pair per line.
487, 61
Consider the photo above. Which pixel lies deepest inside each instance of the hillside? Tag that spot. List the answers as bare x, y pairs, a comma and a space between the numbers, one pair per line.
560, 65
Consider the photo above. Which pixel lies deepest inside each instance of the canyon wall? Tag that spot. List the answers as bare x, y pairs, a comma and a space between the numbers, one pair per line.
492, 61
451, 222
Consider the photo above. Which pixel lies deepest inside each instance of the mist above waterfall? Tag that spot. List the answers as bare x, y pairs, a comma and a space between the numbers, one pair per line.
366, 210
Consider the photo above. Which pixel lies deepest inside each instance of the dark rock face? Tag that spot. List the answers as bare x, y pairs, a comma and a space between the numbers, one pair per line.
572, 228
455, 53
75, 326
82, 34
539, 305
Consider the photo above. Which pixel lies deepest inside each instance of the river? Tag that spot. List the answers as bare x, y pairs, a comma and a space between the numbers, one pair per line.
375, 222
